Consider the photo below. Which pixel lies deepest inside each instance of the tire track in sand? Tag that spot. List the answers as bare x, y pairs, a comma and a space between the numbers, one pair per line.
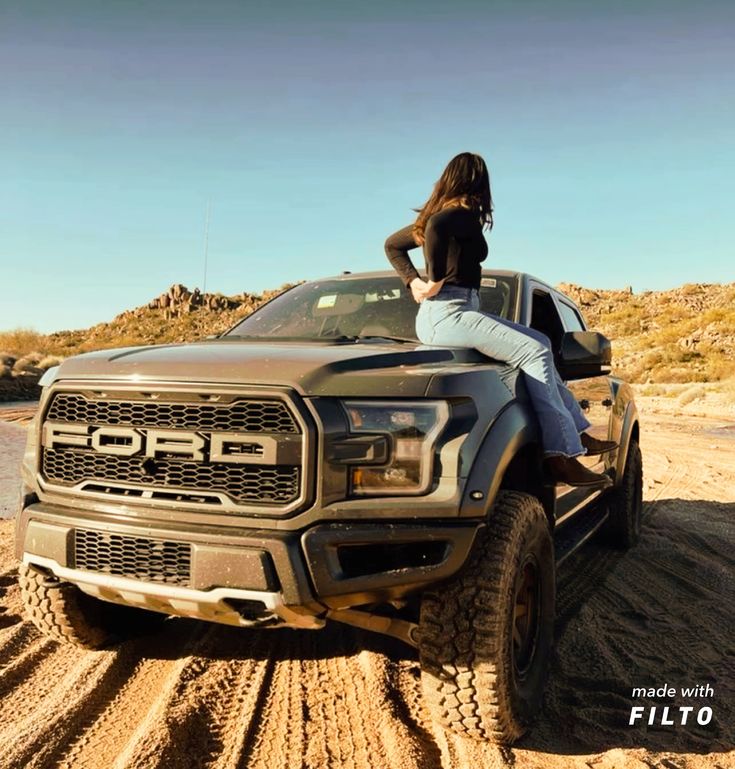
305, 719
103, 728
38, 715
24, 666
388, 691
330, 738
199, 718
13, 641
80, 690
331, 704
273, 733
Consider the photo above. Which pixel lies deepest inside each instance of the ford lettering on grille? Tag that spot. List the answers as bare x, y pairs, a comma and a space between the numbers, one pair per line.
225, 447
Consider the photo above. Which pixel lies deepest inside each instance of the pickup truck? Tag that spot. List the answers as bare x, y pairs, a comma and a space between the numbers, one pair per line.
316, 462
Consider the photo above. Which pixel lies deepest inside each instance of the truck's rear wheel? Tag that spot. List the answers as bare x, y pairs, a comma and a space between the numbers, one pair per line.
485, 637
63, 612
625, 503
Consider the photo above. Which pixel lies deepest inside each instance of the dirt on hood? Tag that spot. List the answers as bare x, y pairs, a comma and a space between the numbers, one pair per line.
196, 695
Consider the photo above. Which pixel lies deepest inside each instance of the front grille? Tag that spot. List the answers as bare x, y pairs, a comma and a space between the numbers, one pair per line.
171, 478
249, 416
242, 483
151, 560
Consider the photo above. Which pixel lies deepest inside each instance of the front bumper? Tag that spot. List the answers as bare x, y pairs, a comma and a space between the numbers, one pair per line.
243, 576
229, 606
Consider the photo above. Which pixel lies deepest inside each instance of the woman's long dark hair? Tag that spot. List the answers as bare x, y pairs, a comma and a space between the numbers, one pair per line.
466, 182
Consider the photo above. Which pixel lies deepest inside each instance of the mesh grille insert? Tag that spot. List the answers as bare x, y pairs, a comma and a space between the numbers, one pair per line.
242, 483
133, 557
252, 416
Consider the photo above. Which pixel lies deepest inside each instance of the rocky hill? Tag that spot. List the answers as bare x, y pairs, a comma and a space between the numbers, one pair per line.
685, 334
177, 315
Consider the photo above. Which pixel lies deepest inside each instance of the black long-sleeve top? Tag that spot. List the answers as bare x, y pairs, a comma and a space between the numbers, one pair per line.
454, 247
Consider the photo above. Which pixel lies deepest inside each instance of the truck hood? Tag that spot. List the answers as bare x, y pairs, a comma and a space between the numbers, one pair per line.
371, 368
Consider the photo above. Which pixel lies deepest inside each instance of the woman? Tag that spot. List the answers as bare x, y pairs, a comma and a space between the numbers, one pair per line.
449, 226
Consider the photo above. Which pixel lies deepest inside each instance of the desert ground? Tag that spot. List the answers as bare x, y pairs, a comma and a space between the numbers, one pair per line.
192, 695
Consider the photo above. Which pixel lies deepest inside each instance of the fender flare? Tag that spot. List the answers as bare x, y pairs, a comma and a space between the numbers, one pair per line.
508, 433
630, 422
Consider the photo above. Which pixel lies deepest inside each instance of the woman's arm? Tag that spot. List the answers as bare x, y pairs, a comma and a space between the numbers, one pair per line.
397, 247
484, 247
437, 236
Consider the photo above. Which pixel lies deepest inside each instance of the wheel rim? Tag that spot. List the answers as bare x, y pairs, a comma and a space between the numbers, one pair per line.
526, 609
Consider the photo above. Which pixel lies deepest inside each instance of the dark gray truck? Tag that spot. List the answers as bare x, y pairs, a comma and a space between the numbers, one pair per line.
317, 462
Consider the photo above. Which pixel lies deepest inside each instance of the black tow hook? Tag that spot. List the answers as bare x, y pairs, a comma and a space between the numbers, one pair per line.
51, 583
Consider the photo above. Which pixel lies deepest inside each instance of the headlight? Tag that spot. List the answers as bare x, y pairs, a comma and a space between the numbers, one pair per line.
412, 429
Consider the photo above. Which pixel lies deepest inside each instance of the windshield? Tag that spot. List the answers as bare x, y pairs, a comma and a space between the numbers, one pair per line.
359, 307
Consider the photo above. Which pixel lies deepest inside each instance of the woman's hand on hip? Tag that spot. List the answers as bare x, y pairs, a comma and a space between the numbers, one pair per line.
422, 289
433, 287
419, 289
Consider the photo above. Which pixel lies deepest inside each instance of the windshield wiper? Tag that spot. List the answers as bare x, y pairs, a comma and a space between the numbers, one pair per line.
339, 338
270, 338
366, 337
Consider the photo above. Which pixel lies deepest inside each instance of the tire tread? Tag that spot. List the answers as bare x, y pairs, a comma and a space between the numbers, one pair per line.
464, 678
621, 531
61, 612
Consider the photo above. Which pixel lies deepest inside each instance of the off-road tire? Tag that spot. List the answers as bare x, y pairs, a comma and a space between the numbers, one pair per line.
470, 676
625, 503
63, 612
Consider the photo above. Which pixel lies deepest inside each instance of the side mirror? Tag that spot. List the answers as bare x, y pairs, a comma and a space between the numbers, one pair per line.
584, 354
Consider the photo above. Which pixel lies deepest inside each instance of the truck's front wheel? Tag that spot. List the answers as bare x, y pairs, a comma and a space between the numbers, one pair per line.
63, 612
485, 637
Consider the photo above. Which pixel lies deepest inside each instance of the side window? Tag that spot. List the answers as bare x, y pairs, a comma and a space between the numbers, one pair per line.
572, 319
545, 318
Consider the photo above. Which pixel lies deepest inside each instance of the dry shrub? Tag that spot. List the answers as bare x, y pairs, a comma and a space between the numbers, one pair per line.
719, 369
691, 394
656, 390
28, 363
20, 340
727, 388
49, 361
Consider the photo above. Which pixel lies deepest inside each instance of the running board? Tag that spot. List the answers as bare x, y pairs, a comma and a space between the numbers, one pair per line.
575, 531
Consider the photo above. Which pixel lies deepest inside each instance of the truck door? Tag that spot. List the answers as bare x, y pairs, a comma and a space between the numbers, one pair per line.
551, 314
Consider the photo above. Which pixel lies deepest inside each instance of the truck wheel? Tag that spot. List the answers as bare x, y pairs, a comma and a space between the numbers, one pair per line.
65, 613
485, 636
623, 526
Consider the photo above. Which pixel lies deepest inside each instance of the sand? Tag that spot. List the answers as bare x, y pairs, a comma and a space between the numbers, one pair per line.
196, 695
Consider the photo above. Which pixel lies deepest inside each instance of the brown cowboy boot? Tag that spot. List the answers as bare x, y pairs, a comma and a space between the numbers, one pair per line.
595, 446
571, 471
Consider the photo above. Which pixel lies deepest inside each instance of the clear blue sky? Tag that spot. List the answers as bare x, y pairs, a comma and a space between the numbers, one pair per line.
315, 127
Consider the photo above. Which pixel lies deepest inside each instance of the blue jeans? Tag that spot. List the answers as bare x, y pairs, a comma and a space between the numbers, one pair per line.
452, 318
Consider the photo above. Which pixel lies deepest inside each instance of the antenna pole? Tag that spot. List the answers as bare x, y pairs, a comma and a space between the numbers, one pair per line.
206, 245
